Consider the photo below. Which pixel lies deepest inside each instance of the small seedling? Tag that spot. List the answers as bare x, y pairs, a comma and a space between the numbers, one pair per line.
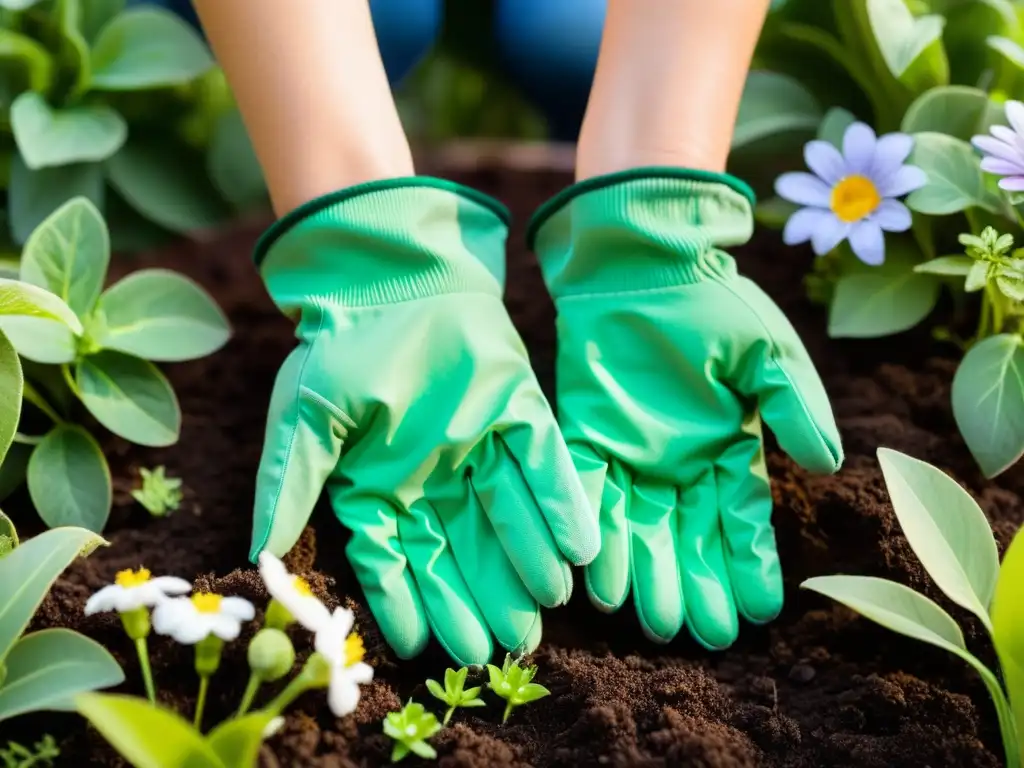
513, 684
454, 693
159, 494
44, 752
410, 728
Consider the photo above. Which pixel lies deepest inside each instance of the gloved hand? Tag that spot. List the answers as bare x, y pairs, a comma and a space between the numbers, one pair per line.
411, 399
667, 362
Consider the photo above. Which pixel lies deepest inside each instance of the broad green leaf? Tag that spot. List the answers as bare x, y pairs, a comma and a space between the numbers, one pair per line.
968, 24
27, 574
48, 137
13, 468
988, 402
955, 181
147, 735
45, 670
157, 314
232, 164
40, 340
11, 383
20, 298
946, 529
774, 104
34, 195
96, 14
29, 54
68, 254
69, 480
956, 110
867, 305
436, 690
237, 742
1008, 625
147, 47
17, 5
166, 185
130, 397
947, 265
833, 126
905, 41
774, 212
1008, 66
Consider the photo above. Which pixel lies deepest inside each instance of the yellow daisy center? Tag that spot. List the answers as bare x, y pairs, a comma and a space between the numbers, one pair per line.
854, 197
302, 586
206, 602
354, 649
129, 578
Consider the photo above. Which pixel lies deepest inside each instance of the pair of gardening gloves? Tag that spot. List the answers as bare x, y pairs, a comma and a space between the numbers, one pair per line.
410, 398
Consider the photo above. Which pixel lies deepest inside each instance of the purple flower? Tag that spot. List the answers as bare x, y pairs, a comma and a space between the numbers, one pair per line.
1004, 149
851, 195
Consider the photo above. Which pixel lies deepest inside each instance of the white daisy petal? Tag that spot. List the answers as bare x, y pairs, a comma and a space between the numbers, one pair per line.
890, 152
993, 146
801, 225
171, 585
330, 638
905, 180
867, 242
825, 160
1015, 114
133, 598
361, 673
170, 614
830, 233
803, 189
308, 611
238, 608
342, 694
892, 216
859, 148
103, 600
190, 633
1002, 167
1012, 184
226, 627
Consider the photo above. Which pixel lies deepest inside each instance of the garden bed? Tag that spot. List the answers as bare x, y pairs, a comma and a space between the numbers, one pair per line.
817, 687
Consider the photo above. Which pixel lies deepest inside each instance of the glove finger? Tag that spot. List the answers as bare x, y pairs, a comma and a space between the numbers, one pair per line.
607, 577
520, 527
657, 591
547, 466
451, 610
711, 613
745, 502
381, 567
506, 605
301, 448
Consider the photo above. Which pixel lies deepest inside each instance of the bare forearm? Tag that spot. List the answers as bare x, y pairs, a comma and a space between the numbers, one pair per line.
312, 90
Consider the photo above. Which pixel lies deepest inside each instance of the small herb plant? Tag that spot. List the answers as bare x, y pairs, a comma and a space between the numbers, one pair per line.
513, 683
953, 540
454, 693
410, 728
159, 494
41, 754
92, 348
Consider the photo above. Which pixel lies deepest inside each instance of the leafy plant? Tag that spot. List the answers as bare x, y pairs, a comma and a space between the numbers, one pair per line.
410, 728
513, 683
43, 752
44, 670
454, 693
159, 494
953, 540
96, 348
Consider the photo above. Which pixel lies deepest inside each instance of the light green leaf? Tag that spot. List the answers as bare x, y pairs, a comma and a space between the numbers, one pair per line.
834, 124
46, 669
988, 402
956, 110
774, 212
48, 137
130, 397
34, 195
232, 164
905, 40
422, 749
977, 276
868, 305
25, 299
946, 529
17, 5
147, 47
68, 254
237, 742
955, 181
1008, 66
947, 265
532, 692
166, 185
774, 104
13, 468
437, 691
27, 574
146, 735
96, 14
38, 339
29, 54
1008, 626
69, 480
7, 529
157, 314
11, 383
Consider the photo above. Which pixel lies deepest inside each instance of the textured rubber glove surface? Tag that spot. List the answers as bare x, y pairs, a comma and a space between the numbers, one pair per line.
668, 360
410, 398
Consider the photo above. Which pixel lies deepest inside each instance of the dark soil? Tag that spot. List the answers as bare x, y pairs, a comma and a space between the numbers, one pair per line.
818, 687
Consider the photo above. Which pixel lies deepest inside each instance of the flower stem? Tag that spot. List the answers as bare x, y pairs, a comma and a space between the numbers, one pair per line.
69, 379
316, 673
448, 715
147, 673
31, 394
255, 681
508, 711
204, 684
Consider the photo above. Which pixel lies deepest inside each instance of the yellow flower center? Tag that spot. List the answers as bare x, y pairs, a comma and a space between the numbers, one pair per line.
129, 578
854, 197
354, 649
302, 586
206, 602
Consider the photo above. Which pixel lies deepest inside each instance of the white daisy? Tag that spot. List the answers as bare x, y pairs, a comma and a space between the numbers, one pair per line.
293, 593
132, 590
191, 619
344, 651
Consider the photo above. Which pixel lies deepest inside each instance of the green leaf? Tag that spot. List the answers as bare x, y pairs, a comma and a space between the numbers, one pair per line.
988, 402
45, 670
68, 254
96, 14
1008, 66
40, 340
73, 46
147, 735
7, 529
955, 110
947, 265
955, 180
157, 314
147, 47
48, 137
69, 480
905, 41
774, 104
437, 691
946, 529
833, 126
130, 397
27, 574
17, 5
882, 301
774, 212
237, 742
977, 276
34, 195
11, 383
13, 468
422, 749
27, 53
232, 164
165, 185
1008, 626
21, 298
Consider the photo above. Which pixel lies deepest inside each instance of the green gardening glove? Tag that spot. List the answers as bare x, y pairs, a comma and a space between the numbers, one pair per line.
410, 398
667, 362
